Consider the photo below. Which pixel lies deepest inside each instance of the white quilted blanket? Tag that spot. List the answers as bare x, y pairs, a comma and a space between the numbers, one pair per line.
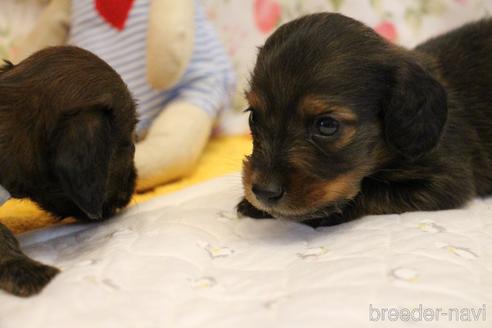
186, 260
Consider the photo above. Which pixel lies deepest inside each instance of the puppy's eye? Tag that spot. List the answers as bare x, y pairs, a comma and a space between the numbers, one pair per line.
252, 117
326, 126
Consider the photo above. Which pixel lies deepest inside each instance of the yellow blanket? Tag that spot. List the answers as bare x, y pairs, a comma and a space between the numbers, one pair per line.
222, 156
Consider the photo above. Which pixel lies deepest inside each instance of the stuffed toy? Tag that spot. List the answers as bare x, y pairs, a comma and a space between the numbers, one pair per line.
171, 58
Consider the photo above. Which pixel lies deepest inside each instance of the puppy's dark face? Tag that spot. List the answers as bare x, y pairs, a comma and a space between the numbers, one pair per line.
71, 144
92, 164
330, 103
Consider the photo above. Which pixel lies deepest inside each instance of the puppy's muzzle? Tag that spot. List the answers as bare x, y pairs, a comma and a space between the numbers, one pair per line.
268, 193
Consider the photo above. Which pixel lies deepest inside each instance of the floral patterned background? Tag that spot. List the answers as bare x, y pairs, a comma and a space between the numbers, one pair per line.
245, 24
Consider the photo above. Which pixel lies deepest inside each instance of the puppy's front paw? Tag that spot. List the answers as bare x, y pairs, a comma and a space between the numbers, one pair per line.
328, 221
244, 208
335, 218
24, 277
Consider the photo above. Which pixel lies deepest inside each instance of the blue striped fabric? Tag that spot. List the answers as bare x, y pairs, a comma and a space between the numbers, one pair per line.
207, 83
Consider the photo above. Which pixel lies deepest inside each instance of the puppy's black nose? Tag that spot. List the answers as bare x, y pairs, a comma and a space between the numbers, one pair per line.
268, 193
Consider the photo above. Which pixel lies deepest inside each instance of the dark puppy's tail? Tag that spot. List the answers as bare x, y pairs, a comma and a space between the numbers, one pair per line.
7, 65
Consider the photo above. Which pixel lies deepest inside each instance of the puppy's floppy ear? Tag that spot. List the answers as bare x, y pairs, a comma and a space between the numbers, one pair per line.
416, 113
81, 157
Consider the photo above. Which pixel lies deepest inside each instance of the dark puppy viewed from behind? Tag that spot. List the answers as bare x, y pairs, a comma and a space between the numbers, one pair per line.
346, 124
66, 142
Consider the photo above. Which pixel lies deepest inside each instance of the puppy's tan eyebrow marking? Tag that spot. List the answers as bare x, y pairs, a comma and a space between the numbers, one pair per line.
314, 106
255, 100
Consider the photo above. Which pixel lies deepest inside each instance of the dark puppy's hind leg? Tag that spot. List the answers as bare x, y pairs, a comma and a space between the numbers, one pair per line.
20, 275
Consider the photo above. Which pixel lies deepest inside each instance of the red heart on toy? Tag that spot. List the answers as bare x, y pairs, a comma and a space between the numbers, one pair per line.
115, 12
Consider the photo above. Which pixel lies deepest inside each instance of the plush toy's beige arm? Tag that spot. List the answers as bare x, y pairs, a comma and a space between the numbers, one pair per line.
170, 41
51, 29
173, 145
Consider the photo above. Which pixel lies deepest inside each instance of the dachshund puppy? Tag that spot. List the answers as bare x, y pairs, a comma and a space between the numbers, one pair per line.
345, 124
66, 142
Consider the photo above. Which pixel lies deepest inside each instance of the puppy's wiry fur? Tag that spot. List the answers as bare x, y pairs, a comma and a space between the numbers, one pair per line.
346, 124
66, 142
